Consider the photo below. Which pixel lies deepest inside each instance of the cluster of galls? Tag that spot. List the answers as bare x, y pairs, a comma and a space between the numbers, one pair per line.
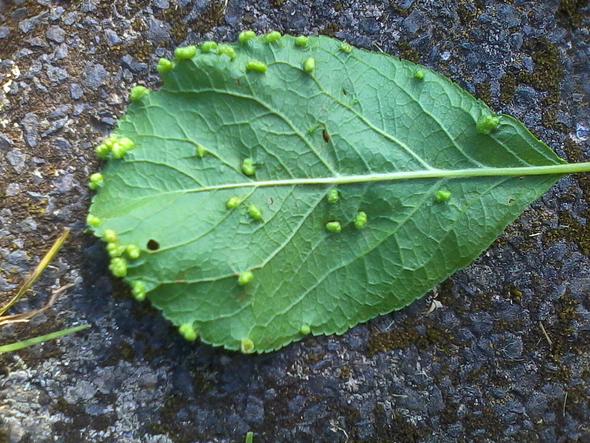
114, 147
210, 47
120, 254
335, 227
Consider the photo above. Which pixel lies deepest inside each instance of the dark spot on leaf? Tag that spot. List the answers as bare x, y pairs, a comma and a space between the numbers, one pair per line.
326, 135
153, 245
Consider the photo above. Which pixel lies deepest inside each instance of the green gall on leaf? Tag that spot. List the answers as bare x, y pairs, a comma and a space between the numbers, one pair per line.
345, 47
209, 46
115, 250
248, 167
301, 41
488, 124
233, 202
246, 36
110, 236
138, 92
227, 50
442, 196
201, 151
188, 332
102, 151
118, 267
247, 346
165, 66
186, 53
309, 65
118, 151
419, 74
93, 221
96, 181
272, 37
360, 221
305, 330
245, 277
126, 143
110, 141
138, 290
334, 227
256, 66
255, 213
133, 252
333, 196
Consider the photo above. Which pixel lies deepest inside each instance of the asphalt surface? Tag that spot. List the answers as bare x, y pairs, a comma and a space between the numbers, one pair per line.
504, 357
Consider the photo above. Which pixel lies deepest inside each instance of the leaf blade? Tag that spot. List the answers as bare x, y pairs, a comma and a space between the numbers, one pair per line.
360, 114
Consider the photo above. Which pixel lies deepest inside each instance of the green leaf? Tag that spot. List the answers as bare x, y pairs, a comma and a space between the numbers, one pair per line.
271, 199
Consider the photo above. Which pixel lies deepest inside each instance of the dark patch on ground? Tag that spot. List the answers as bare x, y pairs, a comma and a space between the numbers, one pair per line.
478, 367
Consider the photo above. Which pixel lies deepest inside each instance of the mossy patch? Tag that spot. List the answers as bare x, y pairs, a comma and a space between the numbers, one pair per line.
569, 12
330, 30
547, 77
483, 91
407, 52
406, 334
508, 86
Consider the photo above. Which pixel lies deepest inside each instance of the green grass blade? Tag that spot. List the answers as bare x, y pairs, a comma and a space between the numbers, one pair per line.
11, 347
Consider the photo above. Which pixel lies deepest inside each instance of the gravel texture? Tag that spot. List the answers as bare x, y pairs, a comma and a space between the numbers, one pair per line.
505, 356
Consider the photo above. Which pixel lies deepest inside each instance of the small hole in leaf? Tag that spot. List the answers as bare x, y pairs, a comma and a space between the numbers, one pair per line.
153, 245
